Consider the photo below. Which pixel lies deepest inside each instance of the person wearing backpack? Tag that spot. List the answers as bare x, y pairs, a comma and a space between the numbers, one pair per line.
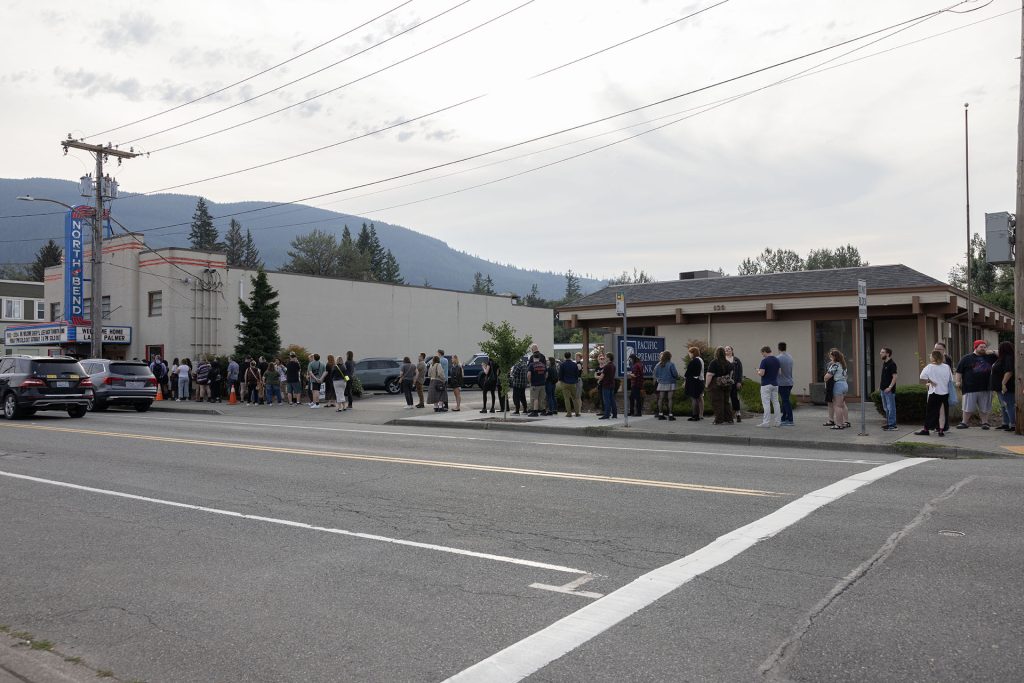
537, 375
550, 386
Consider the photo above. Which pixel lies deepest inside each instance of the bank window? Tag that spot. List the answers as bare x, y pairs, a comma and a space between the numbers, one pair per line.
40, 310
13, 309
54, 312
833, 334
156, 304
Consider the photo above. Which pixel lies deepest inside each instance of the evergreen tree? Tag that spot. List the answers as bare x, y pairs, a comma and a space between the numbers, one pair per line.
534, 298
391, 272
234, 244
258, 332
377, 255
203, 235
363, 241
13, 271
489, 285
48, 255
315, 253
251, 260
572, 287
352, 263
478, 283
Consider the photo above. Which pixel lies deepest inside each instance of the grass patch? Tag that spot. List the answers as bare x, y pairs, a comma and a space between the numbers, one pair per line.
73, 660
21, 635
41, 645
4, 628
104, 673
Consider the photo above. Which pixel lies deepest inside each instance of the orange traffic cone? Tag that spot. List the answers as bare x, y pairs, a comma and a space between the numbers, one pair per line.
159, 394
232, 399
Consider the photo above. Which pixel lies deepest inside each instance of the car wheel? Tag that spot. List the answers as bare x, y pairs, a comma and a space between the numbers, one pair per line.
77, 411
96, 405
392, 385
142, 407
11, 411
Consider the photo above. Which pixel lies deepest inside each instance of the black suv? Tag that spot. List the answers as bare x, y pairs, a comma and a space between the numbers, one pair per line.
28, 384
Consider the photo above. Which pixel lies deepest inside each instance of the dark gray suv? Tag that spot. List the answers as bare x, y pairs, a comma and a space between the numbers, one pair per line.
120, 383
379, 373
28, 384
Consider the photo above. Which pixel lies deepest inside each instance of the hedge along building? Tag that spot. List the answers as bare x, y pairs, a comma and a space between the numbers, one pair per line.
184, 303
812, 311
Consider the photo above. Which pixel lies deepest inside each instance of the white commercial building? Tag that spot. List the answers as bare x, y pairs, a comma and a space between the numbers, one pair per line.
184, 303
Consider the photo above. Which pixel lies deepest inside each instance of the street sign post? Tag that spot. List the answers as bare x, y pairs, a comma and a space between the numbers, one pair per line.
862, 314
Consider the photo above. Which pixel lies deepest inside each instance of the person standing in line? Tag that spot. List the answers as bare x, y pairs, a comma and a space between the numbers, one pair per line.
937, 376
272, 384
537, 374
160, 372
607, 382
407, 376
953, 398
173, 379
973, 377
769, 372
421, 376
443, 360
579, 382
262, 366
233, 377
569, 372
315, 375
184, 380
489, 385
350, 373
737, 376
519, 379
438, 389
339, 379
455, 379
330, 396
837, 371
551, 386
693, 384
887, 388
1002, 382
785, 384
665, 376
635, 378
292, 378
203, 379
720, 379
253, 382
216, 380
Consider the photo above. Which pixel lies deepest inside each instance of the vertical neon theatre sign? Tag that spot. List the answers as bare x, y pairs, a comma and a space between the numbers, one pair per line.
75, 222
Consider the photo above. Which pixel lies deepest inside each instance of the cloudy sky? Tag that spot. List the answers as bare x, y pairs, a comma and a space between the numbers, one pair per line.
870, 153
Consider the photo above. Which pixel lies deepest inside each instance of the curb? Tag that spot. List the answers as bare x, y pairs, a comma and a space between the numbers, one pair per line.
905, 449
187, 411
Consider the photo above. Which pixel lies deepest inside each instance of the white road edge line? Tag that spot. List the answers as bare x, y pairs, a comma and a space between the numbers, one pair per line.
534, 652
303, 525
519, 442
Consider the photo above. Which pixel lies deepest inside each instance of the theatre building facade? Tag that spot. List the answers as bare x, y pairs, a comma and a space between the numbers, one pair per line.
184, 303
812, 311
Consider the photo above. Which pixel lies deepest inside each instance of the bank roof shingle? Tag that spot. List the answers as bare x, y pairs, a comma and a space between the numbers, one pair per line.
801, 282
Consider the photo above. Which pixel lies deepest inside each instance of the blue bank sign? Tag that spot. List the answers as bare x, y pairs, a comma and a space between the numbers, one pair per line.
647, 349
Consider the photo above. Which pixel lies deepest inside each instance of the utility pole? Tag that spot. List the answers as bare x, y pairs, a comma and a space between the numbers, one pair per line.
101, 153
1018, 261
967, 190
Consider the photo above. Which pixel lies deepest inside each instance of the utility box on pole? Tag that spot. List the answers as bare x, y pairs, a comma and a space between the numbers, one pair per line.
999, 240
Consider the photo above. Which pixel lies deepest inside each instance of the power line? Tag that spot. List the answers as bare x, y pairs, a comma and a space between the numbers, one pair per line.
255, 75
406, 121
285, 85
578, 126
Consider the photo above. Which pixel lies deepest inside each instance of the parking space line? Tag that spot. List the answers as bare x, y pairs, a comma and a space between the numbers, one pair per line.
302, 525
434, 435
534, 652
551, 474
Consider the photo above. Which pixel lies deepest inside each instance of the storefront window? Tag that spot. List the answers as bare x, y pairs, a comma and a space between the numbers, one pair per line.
834, 334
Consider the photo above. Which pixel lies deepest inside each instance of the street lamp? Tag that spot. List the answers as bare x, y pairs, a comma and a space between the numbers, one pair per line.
96, 347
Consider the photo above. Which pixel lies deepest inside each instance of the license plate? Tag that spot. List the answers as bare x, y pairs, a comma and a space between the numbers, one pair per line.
62, 385
135, 385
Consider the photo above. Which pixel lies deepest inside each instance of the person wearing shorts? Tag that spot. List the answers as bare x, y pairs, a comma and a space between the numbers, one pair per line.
292, 372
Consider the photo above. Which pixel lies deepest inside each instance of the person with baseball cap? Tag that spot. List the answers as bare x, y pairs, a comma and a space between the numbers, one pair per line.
973, 376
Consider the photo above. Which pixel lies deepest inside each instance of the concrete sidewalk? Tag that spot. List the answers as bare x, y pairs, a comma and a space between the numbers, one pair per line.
381, 409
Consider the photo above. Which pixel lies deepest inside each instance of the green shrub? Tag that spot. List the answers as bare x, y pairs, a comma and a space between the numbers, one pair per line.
911, 404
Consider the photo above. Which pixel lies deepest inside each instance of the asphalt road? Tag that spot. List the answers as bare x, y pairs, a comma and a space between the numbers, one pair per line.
295, 548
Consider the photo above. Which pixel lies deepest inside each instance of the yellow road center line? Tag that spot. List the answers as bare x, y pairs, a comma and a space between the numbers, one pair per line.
409, 461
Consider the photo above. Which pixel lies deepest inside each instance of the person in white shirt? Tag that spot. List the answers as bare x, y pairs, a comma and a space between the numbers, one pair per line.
937, 376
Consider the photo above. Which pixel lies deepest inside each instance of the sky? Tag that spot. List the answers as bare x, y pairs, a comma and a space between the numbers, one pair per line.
870, 153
